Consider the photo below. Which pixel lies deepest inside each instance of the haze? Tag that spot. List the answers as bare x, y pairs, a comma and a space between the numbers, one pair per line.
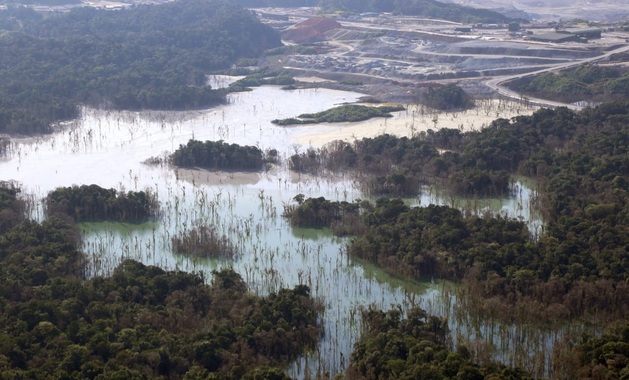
554, 10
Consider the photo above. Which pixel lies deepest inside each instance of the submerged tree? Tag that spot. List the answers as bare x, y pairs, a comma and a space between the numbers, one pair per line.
204, 241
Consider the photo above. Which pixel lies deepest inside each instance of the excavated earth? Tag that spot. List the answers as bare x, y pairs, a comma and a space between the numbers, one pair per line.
394, 57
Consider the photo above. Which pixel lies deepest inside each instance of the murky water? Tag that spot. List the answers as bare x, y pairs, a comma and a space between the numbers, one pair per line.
108, 148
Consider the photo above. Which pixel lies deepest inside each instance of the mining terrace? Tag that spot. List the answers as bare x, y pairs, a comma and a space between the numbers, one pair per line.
391, 56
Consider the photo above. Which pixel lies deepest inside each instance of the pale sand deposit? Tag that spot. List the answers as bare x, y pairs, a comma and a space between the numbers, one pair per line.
411, 122
206, 177
312, 80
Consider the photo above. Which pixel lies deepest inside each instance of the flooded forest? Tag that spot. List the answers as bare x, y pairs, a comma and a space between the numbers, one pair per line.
171, 210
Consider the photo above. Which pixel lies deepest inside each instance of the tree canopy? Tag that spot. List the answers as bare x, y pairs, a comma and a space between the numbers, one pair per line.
218, 155
415, 346
576, 266
93, 203
588, 82
141, 322
145, 56
425, 8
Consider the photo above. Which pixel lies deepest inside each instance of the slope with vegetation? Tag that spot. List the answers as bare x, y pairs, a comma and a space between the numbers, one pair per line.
149, 56
590, 82
424, 8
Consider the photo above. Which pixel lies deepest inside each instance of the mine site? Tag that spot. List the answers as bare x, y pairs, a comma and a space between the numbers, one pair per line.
391, 56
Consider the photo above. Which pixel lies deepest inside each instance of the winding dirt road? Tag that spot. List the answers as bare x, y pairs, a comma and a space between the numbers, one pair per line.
497, 83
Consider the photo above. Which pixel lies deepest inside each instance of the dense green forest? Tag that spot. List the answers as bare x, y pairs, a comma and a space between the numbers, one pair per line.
141, 322
396, 166
342, 217
605, 357
12, 208
589, 82
344, 113
93, 203
415, 346
447, 97
424, 8
577, 266
141, 57
218, 155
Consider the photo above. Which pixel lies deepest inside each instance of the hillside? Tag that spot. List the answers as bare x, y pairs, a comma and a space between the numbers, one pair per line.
424, 8
311, 30
145, 57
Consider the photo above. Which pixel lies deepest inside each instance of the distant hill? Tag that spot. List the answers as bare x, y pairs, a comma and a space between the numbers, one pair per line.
276, 3
425, 8
142, 57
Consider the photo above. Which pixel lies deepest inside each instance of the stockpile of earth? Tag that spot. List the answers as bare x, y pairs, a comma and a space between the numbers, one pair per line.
311, 30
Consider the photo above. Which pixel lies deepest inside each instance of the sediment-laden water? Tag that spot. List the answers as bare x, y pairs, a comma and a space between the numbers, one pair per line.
107, 148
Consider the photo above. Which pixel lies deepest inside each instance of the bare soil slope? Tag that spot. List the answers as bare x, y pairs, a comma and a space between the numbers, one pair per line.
311, 30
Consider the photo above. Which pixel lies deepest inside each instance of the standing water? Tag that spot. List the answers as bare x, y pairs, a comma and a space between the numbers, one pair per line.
107, 148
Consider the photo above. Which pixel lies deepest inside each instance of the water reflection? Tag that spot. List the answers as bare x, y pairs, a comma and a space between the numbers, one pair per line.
107, 148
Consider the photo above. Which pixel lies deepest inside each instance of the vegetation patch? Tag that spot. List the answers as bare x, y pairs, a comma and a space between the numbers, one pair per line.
605, 356
204, 242
263, 77
140, 322
344, 113
144, 57
416, 347
351, 82
447, 97
590, 82
396, 166
425, 8
93, 204
342, 217
300, 49
575, 267
218, 155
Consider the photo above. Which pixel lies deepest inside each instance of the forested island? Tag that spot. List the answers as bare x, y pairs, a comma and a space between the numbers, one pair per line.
449, 97
218, 155
575, 268
344, 113
141, 57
